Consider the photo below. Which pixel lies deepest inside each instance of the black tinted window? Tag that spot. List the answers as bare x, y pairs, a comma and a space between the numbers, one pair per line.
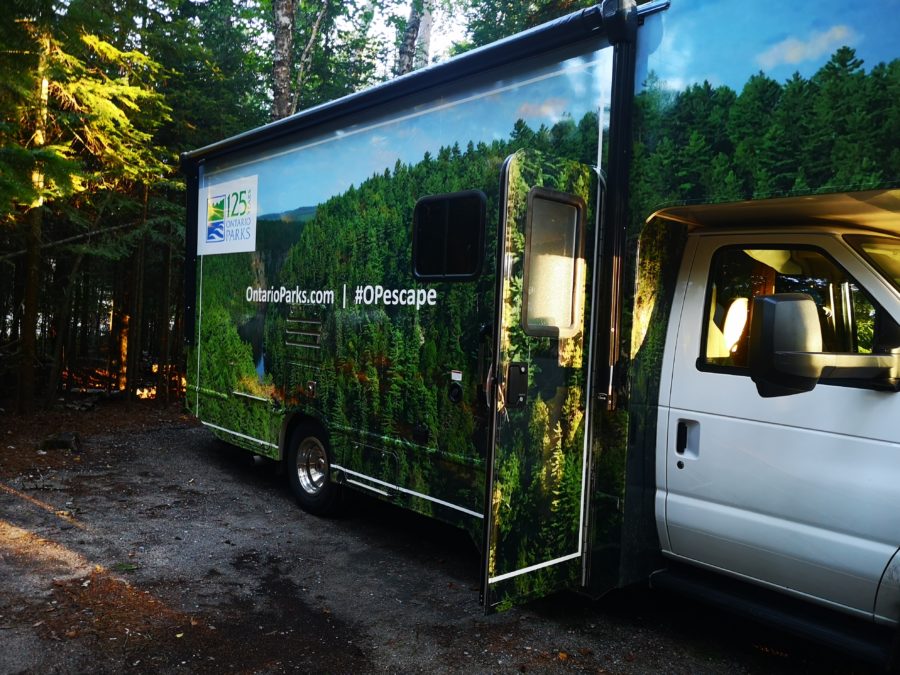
448, 235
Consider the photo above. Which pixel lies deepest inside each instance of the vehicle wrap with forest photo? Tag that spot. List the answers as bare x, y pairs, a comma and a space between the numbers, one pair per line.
326, 317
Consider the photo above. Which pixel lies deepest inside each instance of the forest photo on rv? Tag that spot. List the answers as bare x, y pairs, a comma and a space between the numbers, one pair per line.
377, 373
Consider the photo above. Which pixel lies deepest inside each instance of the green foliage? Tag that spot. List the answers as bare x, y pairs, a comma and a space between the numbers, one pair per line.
490, 20
94, 131
79, 164
539, 452
834, 132
97, 127
215, 65
350, 56
226, 366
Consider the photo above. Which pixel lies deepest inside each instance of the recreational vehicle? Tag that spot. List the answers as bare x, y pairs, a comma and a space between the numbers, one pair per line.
619, 296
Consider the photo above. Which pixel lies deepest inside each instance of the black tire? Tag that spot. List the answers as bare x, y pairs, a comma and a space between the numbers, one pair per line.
308, 465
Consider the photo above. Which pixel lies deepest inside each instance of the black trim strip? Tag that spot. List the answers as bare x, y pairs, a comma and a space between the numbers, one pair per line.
190, 257
614, 227
494, 384
652, 8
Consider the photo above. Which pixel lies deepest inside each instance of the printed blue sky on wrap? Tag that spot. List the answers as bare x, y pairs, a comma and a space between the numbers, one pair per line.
724, 42
313, 170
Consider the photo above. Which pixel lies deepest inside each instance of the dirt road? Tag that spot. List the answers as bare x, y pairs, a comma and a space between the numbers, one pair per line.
159, 549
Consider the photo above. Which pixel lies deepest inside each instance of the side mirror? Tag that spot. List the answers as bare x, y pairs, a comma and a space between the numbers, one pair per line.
780, 324
786, 354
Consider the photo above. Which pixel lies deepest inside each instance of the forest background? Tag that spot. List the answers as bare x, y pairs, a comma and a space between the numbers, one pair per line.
98, 98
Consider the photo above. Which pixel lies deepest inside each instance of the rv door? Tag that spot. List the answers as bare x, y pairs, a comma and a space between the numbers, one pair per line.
536, 473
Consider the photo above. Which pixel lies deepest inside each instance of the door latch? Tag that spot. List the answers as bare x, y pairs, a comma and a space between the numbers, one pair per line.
517, 385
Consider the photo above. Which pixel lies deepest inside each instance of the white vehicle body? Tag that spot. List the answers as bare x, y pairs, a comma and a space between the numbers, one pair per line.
800, 493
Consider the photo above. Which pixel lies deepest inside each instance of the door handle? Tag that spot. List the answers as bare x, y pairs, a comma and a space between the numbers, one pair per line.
682, 438
687, 439
485, 365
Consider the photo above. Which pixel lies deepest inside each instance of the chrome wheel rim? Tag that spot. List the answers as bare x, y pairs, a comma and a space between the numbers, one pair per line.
312, 466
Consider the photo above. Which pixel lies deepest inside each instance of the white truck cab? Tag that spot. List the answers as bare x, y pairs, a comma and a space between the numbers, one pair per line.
787, 475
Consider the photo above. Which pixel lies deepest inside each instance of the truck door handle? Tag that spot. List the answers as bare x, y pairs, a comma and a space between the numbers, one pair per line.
682, 438
687, 439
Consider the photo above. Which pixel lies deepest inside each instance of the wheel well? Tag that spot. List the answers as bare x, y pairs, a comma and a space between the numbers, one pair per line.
292, 423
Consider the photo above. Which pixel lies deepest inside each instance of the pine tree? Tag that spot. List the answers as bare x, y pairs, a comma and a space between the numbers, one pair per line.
748, 121
86, 130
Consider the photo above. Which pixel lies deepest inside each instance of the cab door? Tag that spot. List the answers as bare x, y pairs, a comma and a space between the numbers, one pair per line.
536, 471
797, 492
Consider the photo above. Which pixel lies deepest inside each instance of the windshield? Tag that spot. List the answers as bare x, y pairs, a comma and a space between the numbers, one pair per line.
882, 252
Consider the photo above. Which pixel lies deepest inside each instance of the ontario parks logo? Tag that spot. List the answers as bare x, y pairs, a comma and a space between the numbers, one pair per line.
227, 217
215, 219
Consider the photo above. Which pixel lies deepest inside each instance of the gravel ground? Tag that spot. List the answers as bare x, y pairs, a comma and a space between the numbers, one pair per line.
157, 548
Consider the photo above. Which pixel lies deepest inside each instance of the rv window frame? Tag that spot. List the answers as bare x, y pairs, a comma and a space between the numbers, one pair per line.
479, 251
559, 332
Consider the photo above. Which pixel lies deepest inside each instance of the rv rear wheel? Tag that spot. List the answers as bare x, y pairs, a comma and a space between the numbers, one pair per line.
308, 467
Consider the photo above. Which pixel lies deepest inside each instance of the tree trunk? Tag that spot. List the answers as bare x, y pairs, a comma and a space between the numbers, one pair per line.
84, 314
121, 326
28, 342
63, 322
408, 43
18, 296
285, 12
122, 339
163, 378
73, 343
179, 366
137, 295
306, 57
135, 337
28, 351
423, 42
7, 282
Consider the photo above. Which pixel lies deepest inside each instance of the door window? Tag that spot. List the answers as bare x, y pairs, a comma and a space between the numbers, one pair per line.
850, 320
553, 265
882, 252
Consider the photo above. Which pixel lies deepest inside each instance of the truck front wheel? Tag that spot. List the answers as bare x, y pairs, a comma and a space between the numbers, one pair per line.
308, 468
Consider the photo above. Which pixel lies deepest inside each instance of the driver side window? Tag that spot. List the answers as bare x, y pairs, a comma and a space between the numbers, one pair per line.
848, 316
